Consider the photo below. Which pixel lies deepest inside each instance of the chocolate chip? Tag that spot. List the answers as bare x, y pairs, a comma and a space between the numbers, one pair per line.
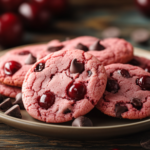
30, 59
96, 46
140, 36
2, 97
134, 62
111, 32
67, 111
89, 73
76, 67
82, 47
19, 100
145, 141
112, 86
6, 104
55, 48
119, 110
124, 73
136, 103
82, 121
39, 67
14, 111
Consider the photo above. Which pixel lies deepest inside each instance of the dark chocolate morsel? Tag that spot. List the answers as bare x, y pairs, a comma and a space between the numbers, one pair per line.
6, 104
19, 100
119, 110
14, 111
39, 67
112, 86
76, 67
134, 62
82, 121
67, 111
82, 47
111, 32
89, 73
30, 59
96, 46
55, 48
145, 141
136, 103
2, 97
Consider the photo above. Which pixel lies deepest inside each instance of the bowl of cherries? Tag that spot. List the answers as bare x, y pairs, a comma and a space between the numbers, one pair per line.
18, 15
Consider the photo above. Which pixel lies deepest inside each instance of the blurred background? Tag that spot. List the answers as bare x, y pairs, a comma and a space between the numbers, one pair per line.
37, 21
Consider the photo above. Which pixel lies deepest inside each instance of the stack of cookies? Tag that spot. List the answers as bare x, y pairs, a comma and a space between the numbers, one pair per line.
62, 81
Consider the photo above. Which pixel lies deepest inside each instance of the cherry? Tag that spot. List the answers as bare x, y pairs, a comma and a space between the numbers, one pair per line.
39, 67
24, 53
143, 6
11, 30
57, 6
112, 86
77, 91
147, 68
10, 5
41, 3
33, 16
47, 100
144, 82
11, 67
124, 73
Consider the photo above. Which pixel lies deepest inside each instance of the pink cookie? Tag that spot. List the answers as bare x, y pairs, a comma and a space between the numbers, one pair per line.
9, 91
15, 64
142, 62
64, 85
127, 93
108, 51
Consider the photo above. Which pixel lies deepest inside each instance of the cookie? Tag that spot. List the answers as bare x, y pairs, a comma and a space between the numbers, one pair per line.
9, 91
142, 62
63, 85
108, 51
127, 93
15, 64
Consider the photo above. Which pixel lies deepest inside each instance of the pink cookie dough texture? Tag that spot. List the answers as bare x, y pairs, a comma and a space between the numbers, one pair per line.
17, 78
116, 50
9, 91
128, 91
56, 77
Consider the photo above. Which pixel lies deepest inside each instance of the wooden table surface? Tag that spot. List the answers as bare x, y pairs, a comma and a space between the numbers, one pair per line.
88, 23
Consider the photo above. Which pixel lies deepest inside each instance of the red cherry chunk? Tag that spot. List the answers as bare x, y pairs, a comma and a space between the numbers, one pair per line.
112, 86
124, 73
11, 67
24, 53
39, 67
47, 100
144, 82
77, 91
147, 68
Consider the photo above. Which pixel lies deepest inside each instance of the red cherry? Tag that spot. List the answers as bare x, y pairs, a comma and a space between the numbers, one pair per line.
144, 6
34, 16
58, 6
41, 3
10, 5
124, 73
144, 82
47, 100
147, 68
77, 91
11, 67
11, 30
24, 52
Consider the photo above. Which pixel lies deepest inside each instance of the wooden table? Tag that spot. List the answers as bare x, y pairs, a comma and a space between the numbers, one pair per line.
87, 24
13, 139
